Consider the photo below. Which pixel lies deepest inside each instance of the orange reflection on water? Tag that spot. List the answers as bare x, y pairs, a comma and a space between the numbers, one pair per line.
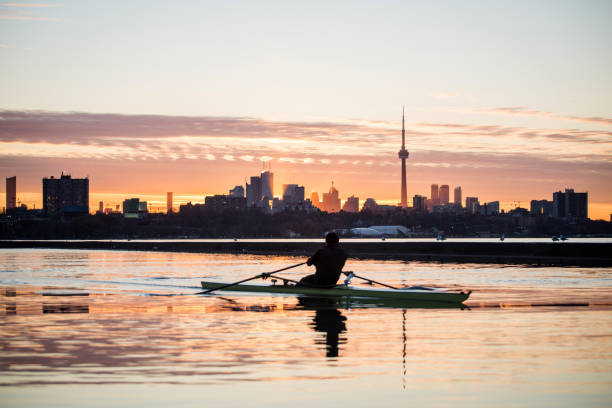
91, 331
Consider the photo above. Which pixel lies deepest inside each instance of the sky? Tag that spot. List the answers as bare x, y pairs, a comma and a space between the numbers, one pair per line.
511, 100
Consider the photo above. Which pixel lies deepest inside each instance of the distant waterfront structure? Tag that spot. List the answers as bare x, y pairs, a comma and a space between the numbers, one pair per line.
11, 192
65, 195
169, 202
444, 194
134, 208
403, 155
435, 195
237, 191
331, 201
472, 205
253, 191
101, 207
570, 204
351, 204
419, 203
457, 196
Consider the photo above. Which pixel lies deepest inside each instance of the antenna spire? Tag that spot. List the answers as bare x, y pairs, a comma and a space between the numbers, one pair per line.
403, 131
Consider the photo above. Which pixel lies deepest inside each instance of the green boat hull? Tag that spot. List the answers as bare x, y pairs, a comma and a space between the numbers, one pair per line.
350, 291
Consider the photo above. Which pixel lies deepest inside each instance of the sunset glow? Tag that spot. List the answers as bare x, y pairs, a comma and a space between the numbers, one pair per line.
195, 99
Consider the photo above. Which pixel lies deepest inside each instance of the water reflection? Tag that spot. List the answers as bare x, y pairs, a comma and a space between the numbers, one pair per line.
328, 319
135, 320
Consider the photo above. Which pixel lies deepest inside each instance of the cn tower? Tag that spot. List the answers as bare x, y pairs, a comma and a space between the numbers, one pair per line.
403, 154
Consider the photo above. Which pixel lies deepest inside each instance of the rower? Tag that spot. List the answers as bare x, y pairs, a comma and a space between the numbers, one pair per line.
329, 261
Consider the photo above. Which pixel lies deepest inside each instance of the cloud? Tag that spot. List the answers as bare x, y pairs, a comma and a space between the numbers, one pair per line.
13, 12
524, 111
160, 138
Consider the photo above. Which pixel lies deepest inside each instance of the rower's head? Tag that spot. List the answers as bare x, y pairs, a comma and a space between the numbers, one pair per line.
332, 239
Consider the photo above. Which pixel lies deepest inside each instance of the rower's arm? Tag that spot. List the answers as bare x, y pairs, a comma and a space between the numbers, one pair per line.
313, 259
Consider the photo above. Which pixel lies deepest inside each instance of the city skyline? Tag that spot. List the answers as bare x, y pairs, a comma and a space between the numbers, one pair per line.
495, 101
294, 198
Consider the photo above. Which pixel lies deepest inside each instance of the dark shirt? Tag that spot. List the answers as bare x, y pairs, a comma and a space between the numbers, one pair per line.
329, 262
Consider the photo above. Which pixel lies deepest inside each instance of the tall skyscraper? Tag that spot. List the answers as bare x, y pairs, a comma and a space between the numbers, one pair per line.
457, 196
331, 201
435, 195
169, 202
403, 155
253, 191
267, 185
101, 207
444, 194
314, 199
65, 195
11, 192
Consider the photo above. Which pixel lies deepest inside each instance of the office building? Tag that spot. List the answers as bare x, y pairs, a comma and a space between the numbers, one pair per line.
351, 204
314, 199
169, 202
435, 195
457, 196
293, 194
134, 208
331, 201
237, 191
253, 191
11, 192
444, 194
220, 203
419, 203
370, 205
490, 208
541, 207
65, 195
101, 207
570, 204
472, 205
267, 185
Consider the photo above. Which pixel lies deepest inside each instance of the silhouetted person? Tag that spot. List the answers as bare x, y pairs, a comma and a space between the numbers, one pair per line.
329, 261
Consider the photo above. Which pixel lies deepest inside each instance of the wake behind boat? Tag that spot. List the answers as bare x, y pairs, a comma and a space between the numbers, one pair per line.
404, 294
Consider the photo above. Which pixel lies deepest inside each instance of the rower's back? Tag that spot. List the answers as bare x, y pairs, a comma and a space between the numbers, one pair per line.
329, 261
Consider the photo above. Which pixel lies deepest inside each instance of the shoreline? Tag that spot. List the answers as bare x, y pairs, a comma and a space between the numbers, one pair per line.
530, 253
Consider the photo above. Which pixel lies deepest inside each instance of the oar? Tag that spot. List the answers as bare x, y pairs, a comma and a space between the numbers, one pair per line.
261, 275
370, 280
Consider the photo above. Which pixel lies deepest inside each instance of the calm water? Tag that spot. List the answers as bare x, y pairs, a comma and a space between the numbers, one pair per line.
110, 328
